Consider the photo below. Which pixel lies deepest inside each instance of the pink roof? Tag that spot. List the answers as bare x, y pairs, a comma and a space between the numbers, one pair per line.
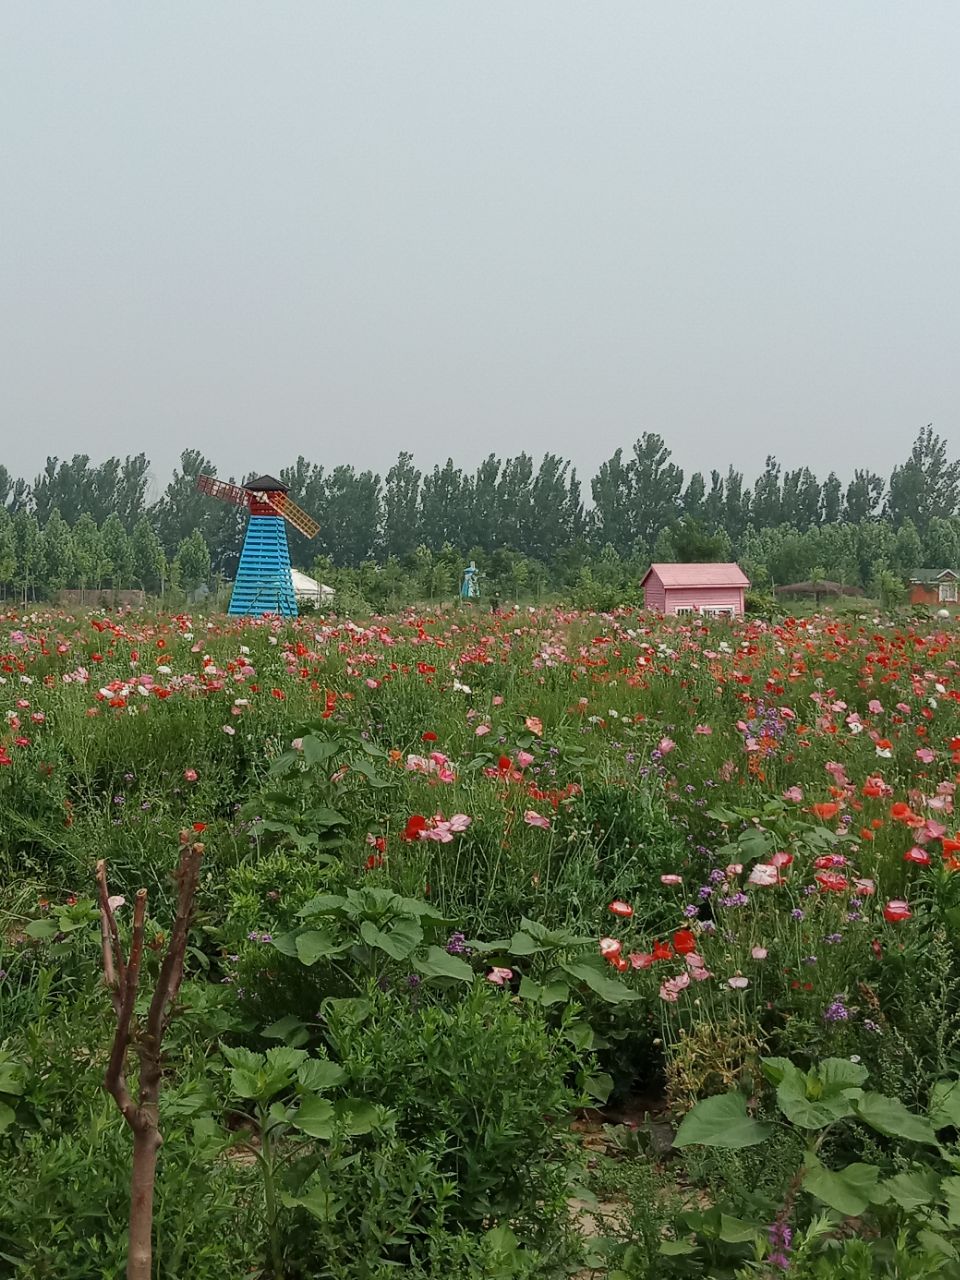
699, 575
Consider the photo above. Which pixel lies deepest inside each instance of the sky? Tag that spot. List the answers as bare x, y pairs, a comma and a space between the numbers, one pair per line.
344, 229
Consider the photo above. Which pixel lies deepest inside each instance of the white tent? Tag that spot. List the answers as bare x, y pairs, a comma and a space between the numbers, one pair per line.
307, 588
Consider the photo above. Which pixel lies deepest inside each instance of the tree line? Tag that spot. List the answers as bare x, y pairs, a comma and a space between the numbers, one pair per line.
528, 524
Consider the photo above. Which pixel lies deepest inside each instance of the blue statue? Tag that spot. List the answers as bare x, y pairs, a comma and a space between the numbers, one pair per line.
470, 587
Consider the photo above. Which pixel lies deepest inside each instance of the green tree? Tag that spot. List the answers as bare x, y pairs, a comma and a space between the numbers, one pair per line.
28, 551
832, 498
863, 496
8, 551
401, 501
612, 490
926, 485
656, 485
58, 561
149, 564
117, 551
192, 562
89, 556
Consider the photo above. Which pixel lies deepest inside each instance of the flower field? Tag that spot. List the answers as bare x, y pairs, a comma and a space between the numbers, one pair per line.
464, 878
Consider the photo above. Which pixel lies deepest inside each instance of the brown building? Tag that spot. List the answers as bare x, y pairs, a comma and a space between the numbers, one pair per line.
934, 586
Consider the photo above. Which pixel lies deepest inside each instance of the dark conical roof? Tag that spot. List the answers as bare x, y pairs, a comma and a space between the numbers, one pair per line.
266, 484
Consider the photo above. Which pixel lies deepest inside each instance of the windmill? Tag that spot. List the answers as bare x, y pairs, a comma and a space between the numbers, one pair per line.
263, 583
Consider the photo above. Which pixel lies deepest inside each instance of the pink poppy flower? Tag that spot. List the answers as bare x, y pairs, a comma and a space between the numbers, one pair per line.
705, 729
764, 874
640, 959
189, 775
738, 982
759, 953
534, 819
524, 758
866, 888
622, 909
919, 856
896, 911
671, 879
665, 746
670, 990
794, 795
535, 725
482, 730
875, 707
925, 755
734, 868
610, 947
498, 700
459, 822
499, 976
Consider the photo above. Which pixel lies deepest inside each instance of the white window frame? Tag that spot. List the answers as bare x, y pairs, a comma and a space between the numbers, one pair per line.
948, 592
719, 610
683, 609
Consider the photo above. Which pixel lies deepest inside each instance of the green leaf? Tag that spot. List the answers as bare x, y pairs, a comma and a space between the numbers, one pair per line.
283, 1061
324, 817
599, 1086
321, 904
912, 1189
438, 963
850, 1191
368, 771
7, 1117
609, 989
320, 1203
890, 1116
290, 1029
839, 1074
11, 1077
317, 1074
521, 944
677, 1248
356, 1116
315, 1116
314, 944
318, 750
237, 1056
736, 1231
397, 942
286, 944
945, 1104
244, 1083
371, 749
721, 1121
42, 929
935, 1243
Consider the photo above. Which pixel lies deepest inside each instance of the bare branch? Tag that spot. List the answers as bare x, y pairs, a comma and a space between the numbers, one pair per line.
171, 970
114, 1081
113, 965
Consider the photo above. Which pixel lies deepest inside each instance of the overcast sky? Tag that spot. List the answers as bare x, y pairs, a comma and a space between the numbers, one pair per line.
348, 228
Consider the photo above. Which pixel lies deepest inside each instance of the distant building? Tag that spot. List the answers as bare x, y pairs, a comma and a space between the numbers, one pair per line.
934, 586
711, 590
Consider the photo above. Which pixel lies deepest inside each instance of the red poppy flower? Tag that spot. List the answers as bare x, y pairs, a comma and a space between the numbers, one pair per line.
684, 942
831, 881
900, 812
622, 909
504, 764
199, 826
896, 911
951, 844
429, 736
824, 811
415, 825
919, 856
662, 950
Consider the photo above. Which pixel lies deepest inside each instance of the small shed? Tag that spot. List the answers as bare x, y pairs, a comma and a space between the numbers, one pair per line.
711, 590
309, 589
934, 586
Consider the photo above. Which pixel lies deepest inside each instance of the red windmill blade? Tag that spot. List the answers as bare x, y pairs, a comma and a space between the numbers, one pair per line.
223, 490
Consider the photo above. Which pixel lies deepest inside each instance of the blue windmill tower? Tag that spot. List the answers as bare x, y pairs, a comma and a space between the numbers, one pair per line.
263, 583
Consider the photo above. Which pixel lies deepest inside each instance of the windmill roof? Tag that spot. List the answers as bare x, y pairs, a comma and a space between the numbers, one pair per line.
699, 575
266, 484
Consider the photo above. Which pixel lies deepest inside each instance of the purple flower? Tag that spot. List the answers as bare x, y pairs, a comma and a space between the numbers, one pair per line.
836, 1011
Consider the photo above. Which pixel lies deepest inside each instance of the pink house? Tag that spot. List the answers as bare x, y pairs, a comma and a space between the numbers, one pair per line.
713, 590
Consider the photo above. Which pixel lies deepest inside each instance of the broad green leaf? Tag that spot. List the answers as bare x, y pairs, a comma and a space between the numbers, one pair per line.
314, 944
777, 1069
808, 1114
238, 1056
599, 1085
397, 942
890, 1116
554, 992
317, 1074
244, 1083
950, 1192
530, 990
438, 963
350, 1009
11, 1077
7, 1117
850, 1191
521, 944
289, 1029
315, 1116
721, 1121
609, 989
676, 1248
371, 749
372, 775
935, 1243
42, 929
286, 944
317, 750
284, 1060
944, 1104
356, 1116
736, 1231
323, 1206
321, 904
324, 817
838, 1074
912, 1189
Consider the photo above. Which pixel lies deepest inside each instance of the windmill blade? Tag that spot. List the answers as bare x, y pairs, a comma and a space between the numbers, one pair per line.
285, 506
223, 490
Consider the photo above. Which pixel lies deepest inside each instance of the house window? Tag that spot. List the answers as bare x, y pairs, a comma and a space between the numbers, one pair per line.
719, 611
683, 608
948, 593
